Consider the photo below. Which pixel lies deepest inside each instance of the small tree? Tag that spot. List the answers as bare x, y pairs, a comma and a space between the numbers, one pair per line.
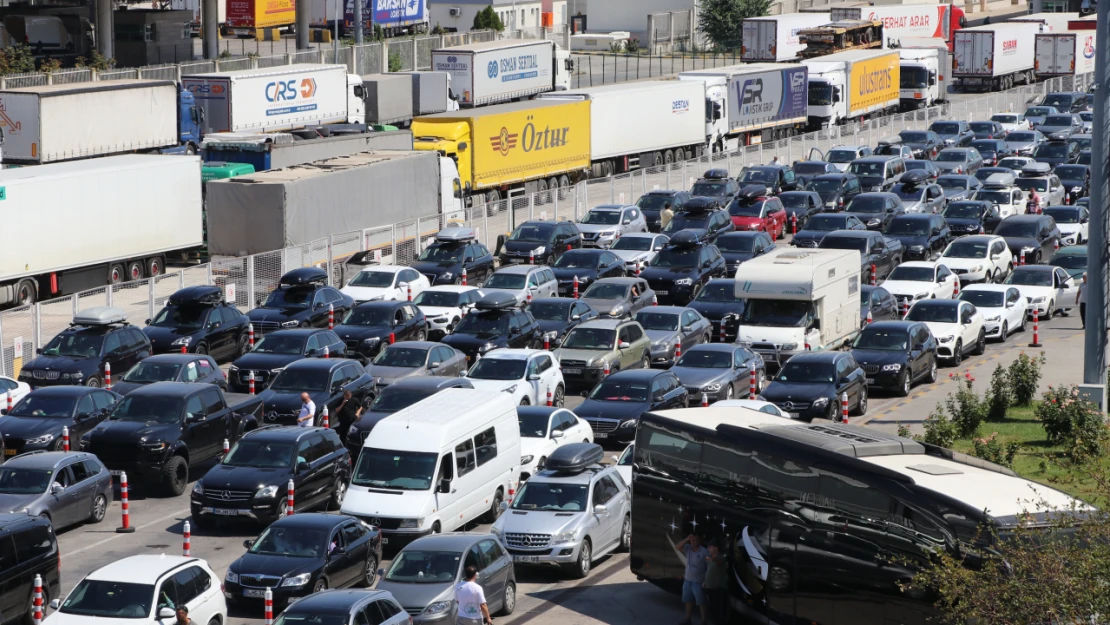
16, 60
487, 19
721, 20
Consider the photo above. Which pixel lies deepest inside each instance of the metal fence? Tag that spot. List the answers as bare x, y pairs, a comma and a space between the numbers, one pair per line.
249, 279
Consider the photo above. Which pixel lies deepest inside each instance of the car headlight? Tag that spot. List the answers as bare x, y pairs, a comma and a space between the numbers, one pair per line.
297, 580
371, 341
411, 524
789, 347
40, 440
684, 282
629, 424
154, 445
893, 367
565, 537
232, 578
617, 310
917, 248
920, 296
290, 324
947, 339
527, 459
539, 250
185, 340
1039, 300
1029, 249
447, 275
485, 348
596, 362
977, 268
582, 280
753, 227
510, 390
266, 492
821, 402
1077, 189
994, 318
198, 488
439, 607
72, 376
874, 222
713, 388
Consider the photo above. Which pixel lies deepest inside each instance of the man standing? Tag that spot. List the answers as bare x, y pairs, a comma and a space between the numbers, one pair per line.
348, 412
471, 600
665, 215
697, 561
308, 412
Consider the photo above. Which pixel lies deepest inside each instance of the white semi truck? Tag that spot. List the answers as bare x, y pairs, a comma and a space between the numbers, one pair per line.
925, 73
995, 57
852, 85
503, 70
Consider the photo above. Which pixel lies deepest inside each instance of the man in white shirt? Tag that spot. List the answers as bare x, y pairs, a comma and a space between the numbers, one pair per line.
308, 412
472, 600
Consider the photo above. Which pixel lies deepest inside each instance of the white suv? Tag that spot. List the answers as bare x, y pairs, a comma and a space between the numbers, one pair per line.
978, 258
528, 375
958, 326
144, 589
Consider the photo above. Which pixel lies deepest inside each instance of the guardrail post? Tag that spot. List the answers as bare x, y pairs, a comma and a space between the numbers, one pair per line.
180, 280
38, 325
107, 296
208, 274
612, 189
250, 282
150, 298
76, 303
531, 206
331, 240
393, 240
4, 361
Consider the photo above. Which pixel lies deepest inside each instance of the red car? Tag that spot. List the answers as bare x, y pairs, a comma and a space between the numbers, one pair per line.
759, 213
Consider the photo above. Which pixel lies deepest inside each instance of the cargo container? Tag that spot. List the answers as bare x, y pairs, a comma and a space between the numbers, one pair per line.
752, 103
1068, 53
902, 21
277, 98
285, 207
278, 150
394, 17
995, 57
388, 99
673, 110
852, 85
82, 120
500, 71
84, 224
431, 92
1048, 22
521, 147
925, 72
775, 38
246, 17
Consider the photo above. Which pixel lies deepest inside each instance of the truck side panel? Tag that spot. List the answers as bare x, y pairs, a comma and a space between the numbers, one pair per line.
252, 14
533, 143
873, 84
767, 98
511, 73
271, 102
901, 20
776, 38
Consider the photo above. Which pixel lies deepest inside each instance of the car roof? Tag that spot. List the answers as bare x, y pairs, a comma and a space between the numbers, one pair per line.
386, 304
419, 344
833, 176
63, 391
891, 325
44, 459
673, 310
592, 251
1073, 249
301, 332
983, 238
625, 281
175, 358
636, 374
883, 194
511, 353
451, 288
141, 569
606, 324
312, 520
1035, 269
878, 158
336, 601
919, 263
993, 288
852, 234
611, 207
818, 357
1024, 218
556, 300
325, 364
454, 541
642, 235
914, 217
278, 432
714, 347
520, 269
741, 234
393, 268
173, 389
429, 383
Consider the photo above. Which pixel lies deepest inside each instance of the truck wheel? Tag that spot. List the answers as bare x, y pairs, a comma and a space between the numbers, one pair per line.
656, 159
135, 270
116, 274
153, 267
26, 292
175, 475
668, 157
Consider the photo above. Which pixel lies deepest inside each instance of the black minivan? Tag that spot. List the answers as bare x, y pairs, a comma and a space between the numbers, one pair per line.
28, 547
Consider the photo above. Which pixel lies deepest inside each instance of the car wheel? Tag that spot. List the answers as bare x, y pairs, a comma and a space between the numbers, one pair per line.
958, 353
932, 377
175, 475
1051, 309
861, 406
559, 398
981, 343
832, 413
93, 381
626, 535
321, 585
509, 602
339, 491
1024, 320
1005, 332
581, 568
201, 349
905, 383
997, 277
645, 362
421, 335
244, 346
99, 509
495, 507
729, 392
58, 445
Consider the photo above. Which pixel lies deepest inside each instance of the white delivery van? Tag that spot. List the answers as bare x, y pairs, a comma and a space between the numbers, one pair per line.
438, 465
799, 300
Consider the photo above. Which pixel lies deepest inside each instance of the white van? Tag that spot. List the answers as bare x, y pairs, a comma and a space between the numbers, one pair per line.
437, 465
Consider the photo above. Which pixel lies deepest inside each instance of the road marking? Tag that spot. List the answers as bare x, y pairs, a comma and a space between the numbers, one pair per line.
115, 536
554, 601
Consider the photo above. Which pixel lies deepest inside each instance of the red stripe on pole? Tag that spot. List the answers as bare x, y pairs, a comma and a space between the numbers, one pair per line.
125, 507
326, 423
186, 535
36, 613
751, 384
289, 500
844, 407
1036, 329
250, 382
704, 400
108, 375
65, 438
250, 335
331, 317
268, 612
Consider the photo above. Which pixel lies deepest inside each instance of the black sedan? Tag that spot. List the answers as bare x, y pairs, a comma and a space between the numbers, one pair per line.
324, 380
896, 354
397, 396
924, 143
274, 351
588, 265
971, 217
875, 209
370, 326
923, 236
719, 303
198, 320
719, 371
737, 247
879, 303
307, 553
36, 421
821, 225
800, 206
614, 406
302, 299
1076, 180
558, 315
992, 150
172, 368
810, 385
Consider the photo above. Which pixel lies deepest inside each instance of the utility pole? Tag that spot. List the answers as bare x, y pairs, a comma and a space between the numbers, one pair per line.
335, 30
1098, 263
358, 22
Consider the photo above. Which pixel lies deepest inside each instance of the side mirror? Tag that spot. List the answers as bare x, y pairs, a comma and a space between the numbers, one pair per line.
627, 222
147, 322
302, 467
55, 604
57, 489
625, 345
3, 411
311, 352
248, 543
514, 330
557, 434
816, 324
444, 486
318, 305
504, 506
576, 317
166, 613
434, 364
615, 458
533, 377
601, 509
38, 350
82, 416
213, 325
191, 417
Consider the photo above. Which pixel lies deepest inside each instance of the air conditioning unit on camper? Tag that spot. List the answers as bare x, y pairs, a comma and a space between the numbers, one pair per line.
455, 11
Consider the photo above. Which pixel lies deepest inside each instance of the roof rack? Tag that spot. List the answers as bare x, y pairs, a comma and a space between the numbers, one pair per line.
304, 276
456, 234
497, 300
574, 458
752, 191
716, 174
1036, 169
99, 316
28, 453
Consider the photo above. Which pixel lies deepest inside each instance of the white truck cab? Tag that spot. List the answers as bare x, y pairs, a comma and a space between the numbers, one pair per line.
356, 100
926, 71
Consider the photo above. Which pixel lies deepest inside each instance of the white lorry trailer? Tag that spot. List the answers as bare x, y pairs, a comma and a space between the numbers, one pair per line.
775, 38
904, 21
1049, 22
925, 73
95, 222
752, 103
995, 57
277, 98
644, 123
1068, 53
504, 70
852, 85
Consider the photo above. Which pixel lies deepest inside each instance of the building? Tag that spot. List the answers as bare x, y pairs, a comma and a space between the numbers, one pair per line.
627, 15
458, 15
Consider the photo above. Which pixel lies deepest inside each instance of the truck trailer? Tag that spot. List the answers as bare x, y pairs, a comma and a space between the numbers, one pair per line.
673, 110
995, 57
280, 208
903, 21
752, 103
395, 17
852, 85
277, 98
775, 38
247, 17
1068, 53
1048, 22
500, 71
278, 150
107, 220
925, 73
840, 36
394, 99
62, 122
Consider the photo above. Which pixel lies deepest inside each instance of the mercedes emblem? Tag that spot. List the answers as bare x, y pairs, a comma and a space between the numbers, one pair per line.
788, 406
376, 522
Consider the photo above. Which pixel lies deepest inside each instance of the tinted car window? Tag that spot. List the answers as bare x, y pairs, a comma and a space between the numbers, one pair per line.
35, 542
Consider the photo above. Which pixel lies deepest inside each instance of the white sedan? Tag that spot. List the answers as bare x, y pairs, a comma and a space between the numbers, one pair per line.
921, 279
1011, 121
754, 404
978, 258
637, 249
1003, 308
385, 282
444, 306
544, 429
1046, 288
16, 389
529, 375
958, 326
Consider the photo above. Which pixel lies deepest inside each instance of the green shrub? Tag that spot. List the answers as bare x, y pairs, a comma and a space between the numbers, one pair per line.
1025, 374
991, 450
939, 429
967, 409
1074, 424
1000, 396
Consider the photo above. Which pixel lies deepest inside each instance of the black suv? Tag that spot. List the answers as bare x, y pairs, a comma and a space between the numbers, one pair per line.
252, 479
715, 184
97, 337
878, 254
453, 250
971, 217
1034, 236
397, 396
159, 432
896, 354
368, 328
681, 269
325, 380
653, 202
923, 236
28, 548
496, 321
277, 350
924, 143
36, 421
704, 216
588, 266
777, 178
300, 301
539, 241
197, 319
836, 190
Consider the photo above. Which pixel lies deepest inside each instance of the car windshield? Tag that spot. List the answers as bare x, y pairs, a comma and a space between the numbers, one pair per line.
296, 542
926, 166
841, 156
1028, 184
909, 227
983, 173
983, 299
395, 470
739, 244
1029, 278
1014, 163
401, 356
1063, 215
260, 454
1071, 172
746, 208
590, 339
602, 218
393, 399
1070, 261
577, 260
655, 202
682, 221
294, 617
621, 390
109, 599
549, 311
43, 406
1021, 137
709, 189
675, 257
867, 168
913, 78
826, 223
180, 317
793, 200
719, 292
986, 147
982, 126
833, 242
442, 254
947, 156
375, 279
80, 344
148, 408
1017, 229
1052, 150
1004, 119
533, 425
498, 369
556, 497
606, 290
881, 339
964, 210
824, 186
780, 313
657, 321
810, 167
424, 567
757, 175
935, 312
954, 182
531, 232
24, 481
994, 196
483, 324
147, 371
705, 359
914, 136
1039, 111
911, 273
946, 128
866, 204
512, 281
962, 248
284, 344
815, 372
289, 298
1057, 120
441, 299
635, 244
301, 380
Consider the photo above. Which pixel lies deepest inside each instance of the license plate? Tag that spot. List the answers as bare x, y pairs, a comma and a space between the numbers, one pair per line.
794, 415
255, 593
572, 370
385, 541
9, 452
657, 292
870, 380
598, 436
224, 512
526, 559
112, 473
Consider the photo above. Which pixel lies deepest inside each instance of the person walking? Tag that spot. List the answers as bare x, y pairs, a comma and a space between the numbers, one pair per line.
665, 216
471, 600
348, 412
182, 613
1081, 299
308, 412
693, 593
716, 585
